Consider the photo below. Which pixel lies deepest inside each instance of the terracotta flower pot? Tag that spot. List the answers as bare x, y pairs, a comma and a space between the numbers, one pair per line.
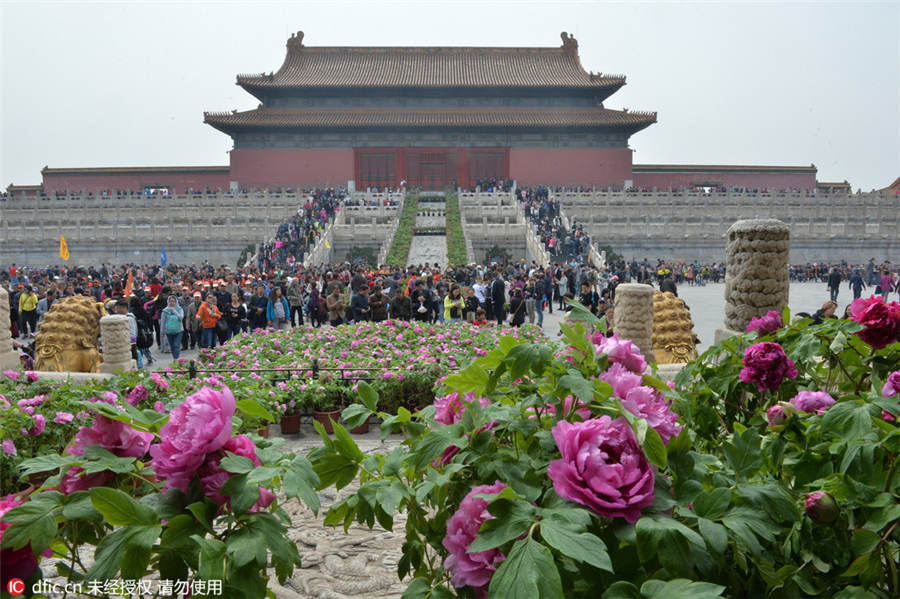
290, 424
326, 417
362, 429
263, 432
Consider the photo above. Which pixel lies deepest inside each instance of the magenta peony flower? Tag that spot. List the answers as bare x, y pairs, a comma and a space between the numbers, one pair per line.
812, 401
137, 395
40, 423
214, 478
471, 569
766, 365
63, 418
9, 447
450, 408
11, 374
200, 425
821, 507
112, 435
73, 480
651, 405
882, 321
776, 416
892, 385
159, 407
620, 351
621, 379
767, 324
32, 376
602, 467
17, 563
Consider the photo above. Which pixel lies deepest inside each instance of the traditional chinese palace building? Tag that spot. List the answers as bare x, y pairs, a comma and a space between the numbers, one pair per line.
431, 117
379, 116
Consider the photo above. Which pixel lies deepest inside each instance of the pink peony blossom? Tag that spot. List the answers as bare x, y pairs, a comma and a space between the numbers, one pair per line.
620, 351
767, 324
651, 405
892, 385
471, 569
766, 365
137, 395
602, 467
200, 425
450, 408
621, 379
17, 563
73, 480
812, 401
63, 418
159, 407
11, 374
213, 477
40, 423
9, 447
32, 376
117, 437
882, 321
776, 416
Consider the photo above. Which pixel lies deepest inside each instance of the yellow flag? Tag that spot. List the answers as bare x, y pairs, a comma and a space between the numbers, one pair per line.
327, 245
63, 248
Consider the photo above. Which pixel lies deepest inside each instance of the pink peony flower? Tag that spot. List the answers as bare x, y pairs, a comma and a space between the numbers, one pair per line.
11, 374
137, 395
32, 376
73, 480
40, 423
602, 467
450, 408
112, 435
200, 425
767, 324
621, 379
63, 418
9, 447
892, 385
882, 321
651, 405
821, 507
776, 416
812, 401
17, 563
471, 569
620, 351
159, 407
214, 478
766, 365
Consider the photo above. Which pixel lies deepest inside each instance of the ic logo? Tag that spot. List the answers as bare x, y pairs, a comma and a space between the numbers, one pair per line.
15, 586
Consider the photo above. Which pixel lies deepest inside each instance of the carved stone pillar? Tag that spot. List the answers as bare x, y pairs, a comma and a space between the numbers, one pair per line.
115, 337
633, 317
9, 359
756, 275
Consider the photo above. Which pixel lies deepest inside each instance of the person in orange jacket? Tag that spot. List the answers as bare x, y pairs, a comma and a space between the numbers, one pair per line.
208, 314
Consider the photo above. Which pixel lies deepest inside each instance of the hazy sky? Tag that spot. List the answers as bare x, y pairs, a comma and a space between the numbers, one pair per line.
788, 83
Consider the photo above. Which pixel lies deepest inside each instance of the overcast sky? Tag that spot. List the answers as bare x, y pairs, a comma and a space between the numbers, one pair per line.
788, 83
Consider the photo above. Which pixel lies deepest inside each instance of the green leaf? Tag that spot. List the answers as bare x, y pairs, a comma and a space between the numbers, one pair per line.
667, 539
621, 589
743, 451
529, 571
839, 342
747, 524
355, 414
864, 541
512, 520
712, 504
345, 444
581, 314
850, 420
79, 507
203, 512
120, 509
714, 533
367, 395
253, 408
301, 481
433, 444
418, 588
102, 459
579, 386
680, 588
262, 474
45, 463
527, 356
655, 449
166, 506
136, 551
247, 546
212, 558
333, 469
135, 541
32, 522
580, 546
237, 464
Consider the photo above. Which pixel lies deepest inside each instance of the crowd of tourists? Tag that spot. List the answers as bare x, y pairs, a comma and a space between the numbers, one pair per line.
545, 219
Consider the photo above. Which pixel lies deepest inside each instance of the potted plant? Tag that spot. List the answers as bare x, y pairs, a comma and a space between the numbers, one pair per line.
290, 420
328, 403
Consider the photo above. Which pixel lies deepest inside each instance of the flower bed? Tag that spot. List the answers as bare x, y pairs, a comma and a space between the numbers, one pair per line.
769, 468
399, 251
456, 241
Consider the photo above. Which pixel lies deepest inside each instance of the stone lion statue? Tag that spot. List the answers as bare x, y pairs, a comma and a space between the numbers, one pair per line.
674, 341
67, 339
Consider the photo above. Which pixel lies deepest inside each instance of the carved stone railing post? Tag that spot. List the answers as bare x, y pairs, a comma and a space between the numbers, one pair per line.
8, 357
115, 337
756, 275
633, 316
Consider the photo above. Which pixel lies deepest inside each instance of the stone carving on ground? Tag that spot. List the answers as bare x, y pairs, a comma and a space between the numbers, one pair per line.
674, 341
8, 356
66, 340
756, 270
633, 316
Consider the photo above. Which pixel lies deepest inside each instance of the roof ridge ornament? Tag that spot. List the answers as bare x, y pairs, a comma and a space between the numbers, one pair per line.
569, 43
295, 42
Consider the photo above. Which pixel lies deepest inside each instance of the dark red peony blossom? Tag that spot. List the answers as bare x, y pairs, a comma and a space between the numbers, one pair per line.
882, 321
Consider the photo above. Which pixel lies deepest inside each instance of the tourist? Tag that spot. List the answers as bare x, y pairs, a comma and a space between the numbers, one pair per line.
471, 305
277, 310
826, 311
589, 298
235, 314
378, 304
834, 283
314, 306
885, 284
45, 303
258, 308
517, 314
336, 306
171, 319
208, 314
528, 295
563, 289
667, 284
498, 298
144, 329
191, 324
480, 318
454, 305
359, 303
400, 306
420, 299
28, 317
857, 284
295, 300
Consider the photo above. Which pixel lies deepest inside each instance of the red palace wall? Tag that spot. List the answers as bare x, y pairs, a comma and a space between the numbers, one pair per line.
751, 180
178, 182
570, 166
259, 168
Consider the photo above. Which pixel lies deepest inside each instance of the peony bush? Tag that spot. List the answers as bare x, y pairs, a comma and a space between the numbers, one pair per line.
767, 469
